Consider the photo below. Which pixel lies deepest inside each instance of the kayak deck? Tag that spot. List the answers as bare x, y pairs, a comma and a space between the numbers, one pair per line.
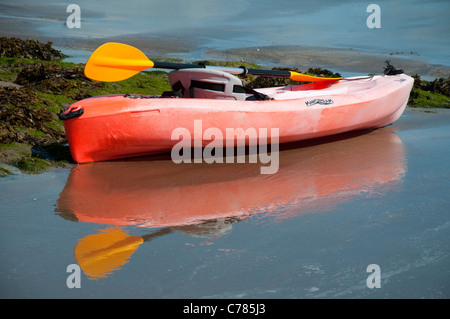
120, 126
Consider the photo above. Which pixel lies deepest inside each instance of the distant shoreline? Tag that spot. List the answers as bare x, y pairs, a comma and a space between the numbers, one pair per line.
348, 62
351, 61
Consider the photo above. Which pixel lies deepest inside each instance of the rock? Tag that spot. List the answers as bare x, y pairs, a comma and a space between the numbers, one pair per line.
23, 119
440, 85
29, 49
263, 82
9, 84
53, 78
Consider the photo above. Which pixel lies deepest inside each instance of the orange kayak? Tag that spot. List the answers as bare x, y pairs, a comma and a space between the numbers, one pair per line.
123, 126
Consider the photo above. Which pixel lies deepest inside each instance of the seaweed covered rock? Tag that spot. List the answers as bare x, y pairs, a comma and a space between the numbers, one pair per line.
23, 119
29, 49
440, 85
263, 82
430, 94
51, 78
323, 73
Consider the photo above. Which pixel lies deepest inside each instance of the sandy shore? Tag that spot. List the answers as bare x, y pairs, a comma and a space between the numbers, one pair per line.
346, 61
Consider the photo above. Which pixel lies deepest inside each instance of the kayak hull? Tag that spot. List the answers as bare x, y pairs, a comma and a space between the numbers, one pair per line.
122, 126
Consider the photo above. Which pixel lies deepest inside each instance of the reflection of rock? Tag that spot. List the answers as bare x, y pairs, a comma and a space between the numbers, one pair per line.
214, 227
29, 49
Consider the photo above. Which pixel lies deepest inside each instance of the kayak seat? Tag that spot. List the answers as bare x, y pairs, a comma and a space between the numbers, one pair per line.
211, 84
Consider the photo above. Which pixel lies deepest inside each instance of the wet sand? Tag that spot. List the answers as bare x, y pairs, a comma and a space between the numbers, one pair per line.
348, 60
308, 232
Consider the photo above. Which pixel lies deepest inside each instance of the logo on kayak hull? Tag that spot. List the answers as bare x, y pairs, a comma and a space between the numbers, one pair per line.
319, 101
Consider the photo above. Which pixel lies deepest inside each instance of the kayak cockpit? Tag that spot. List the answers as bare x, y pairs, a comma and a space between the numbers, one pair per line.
211, 84
218, 84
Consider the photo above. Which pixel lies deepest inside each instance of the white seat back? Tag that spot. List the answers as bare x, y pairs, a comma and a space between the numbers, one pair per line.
206, 84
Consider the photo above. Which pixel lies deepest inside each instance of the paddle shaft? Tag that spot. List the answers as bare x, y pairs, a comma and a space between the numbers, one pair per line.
238, 71
116, 62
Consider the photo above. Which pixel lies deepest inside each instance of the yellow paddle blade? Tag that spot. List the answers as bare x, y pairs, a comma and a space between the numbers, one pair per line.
113, 62
101, 254
309, 78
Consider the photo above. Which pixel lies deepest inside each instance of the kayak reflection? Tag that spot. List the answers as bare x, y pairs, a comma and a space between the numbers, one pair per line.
160, 193
205, 199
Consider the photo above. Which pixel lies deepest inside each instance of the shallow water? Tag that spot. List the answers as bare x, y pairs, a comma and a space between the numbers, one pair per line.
138, 229
409, 27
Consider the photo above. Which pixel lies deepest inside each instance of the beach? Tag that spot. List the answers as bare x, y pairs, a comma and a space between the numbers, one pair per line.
421, 51
302, 235
348, 62
338, 208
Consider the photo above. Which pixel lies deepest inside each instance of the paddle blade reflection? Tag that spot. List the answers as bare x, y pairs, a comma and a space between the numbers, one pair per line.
101, 254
